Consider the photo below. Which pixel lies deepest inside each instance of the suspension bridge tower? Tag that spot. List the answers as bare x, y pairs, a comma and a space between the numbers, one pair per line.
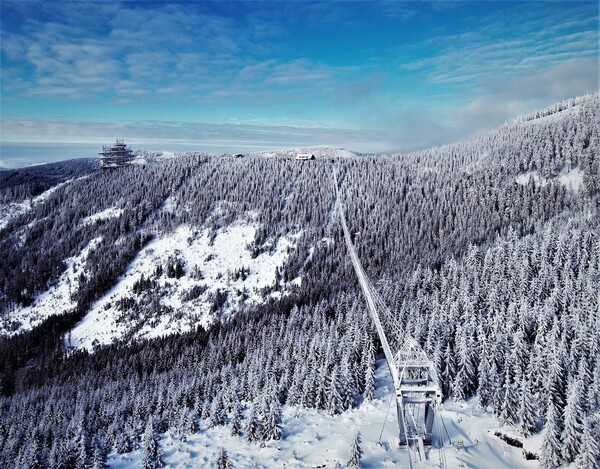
417, 390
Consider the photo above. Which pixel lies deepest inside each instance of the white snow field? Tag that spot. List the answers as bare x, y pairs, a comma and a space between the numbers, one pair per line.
572, 179
56, 300
314, 439
210, 264
111, 212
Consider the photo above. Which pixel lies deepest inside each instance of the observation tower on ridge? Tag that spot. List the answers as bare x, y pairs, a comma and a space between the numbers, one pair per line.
117, 155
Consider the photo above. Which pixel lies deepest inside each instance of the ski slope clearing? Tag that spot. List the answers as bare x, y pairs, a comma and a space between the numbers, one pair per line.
188, 278
314, 439
56, 300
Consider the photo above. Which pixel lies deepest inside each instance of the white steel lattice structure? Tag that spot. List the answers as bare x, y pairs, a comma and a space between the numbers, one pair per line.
418, 394
115, 156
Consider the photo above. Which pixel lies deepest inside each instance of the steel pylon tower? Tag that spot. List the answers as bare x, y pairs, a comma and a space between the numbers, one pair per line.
418, 394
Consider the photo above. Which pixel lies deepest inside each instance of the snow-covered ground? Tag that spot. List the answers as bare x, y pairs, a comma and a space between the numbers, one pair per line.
210, 262
107, 214
56, 300
572, 179
314, 439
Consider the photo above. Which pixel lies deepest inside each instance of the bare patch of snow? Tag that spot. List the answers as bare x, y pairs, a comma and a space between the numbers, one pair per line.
524, 179
107, 214
572, 180
57, 300
220, 275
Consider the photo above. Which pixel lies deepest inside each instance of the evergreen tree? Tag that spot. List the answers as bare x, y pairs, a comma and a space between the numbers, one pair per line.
510, 403
151, 455
272, 424
484, 390
236, 419
551, 455
223, 459
217, 412
572, 434
356, 452
369, 370
252, 429
335, 389
527, 425
589, 457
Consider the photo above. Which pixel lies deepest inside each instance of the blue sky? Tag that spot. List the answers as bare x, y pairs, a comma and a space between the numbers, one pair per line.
248, 75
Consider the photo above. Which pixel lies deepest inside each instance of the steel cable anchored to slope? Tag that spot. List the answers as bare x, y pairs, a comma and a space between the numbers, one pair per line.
414, 375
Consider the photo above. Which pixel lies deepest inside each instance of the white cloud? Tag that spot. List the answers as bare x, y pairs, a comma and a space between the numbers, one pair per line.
214, 137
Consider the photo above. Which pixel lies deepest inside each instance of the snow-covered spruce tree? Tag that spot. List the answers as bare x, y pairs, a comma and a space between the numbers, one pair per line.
484, 384
236, 419
252, 429
98, 457
271, 429
527, 424
572, 434
589, 457
369, 370
217, 412
33, 458
334, 390
356, 452
151, 454
223, 459
551, 455
463, 384
82, 451
510, 403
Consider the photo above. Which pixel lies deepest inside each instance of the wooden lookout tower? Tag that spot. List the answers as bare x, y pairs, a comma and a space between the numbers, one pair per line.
115, 156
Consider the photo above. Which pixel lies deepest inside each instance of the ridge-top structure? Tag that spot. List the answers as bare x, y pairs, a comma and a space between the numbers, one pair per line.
117, 155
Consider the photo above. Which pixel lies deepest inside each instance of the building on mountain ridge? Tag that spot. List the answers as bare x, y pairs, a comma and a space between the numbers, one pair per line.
116, 155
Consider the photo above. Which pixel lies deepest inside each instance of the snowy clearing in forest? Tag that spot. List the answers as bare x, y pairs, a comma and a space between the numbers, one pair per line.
572, 179
202, 275
56, 300
111, 212
314, 439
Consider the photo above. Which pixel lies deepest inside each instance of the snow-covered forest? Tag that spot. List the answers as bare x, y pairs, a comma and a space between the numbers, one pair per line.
486, 251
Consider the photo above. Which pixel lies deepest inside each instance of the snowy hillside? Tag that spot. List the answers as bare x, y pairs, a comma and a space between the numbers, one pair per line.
59, 298
12, 210
183, 280
215, 298
572, 179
